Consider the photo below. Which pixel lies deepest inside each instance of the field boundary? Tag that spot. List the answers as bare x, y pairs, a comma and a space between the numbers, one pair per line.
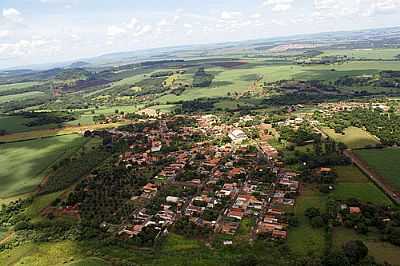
376, 178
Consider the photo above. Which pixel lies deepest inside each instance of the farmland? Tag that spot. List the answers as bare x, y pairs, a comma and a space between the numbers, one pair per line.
220, 155
385, 162
24, 164
354, 138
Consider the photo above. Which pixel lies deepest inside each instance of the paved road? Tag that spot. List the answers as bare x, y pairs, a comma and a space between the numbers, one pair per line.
375, 177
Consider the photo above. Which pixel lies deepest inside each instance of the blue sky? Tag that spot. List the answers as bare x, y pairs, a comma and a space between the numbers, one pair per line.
43, 31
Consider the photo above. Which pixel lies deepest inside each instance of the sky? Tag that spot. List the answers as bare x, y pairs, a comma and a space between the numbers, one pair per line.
47, 31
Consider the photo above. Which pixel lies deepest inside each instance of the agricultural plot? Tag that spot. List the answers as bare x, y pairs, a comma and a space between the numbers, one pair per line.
352, 183
24, 164
354, 138
366, 192
22, 96
304, 240
16, 87
377, 54
385, 162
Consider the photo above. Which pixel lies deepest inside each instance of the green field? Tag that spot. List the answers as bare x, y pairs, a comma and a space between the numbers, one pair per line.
350, 174
17, 86
14, 124
353, 137
385, 162
364, 53
366, 192
305, 240
24, 164
382, 251
352, 183
21, 96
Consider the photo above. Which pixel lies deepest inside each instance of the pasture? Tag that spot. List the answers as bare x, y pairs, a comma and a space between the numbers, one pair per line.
382, 251
303, 239
24, 164
366, 192
15, 87
353, 137
376, 54
21, 96
385, 162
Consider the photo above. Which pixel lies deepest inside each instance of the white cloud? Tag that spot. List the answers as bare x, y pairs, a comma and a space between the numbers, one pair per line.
279, 5
113, 31
12, 14
189, 26
28, 47
255, 16
4, 33
226, 15
143, 30
132, 23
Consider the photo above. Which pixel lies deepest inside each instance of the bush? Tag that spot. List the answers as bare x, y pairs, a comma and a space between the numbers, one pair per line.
23, 225
317, 222
355, 250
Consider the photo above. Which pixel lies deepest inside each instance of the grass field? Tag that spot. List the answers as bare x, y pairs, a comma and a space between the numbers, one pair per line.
385, 162
14, 124
366, 192
365, 53
46, 254
382, 251
353, 137
17, 86
24, 164
350, 174
352, 183
305, 240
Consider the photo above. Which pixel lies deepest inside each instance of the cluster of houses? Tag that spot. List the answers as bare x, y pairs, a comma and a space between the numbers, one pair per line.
227, 181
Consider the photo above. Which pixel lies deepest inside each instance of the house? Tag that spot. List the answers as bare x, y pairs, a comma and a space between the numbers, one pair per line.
236, 213
355, 210
237, 135
279, 234
150, 188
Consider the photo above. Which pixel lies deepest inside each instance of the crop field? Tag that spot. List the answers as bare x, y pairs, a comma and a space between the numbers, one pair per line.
304, 239
354, 138
366, 192
21, 96
382, 251
350, 174
17, 86
365, 53
24, 164
385, 162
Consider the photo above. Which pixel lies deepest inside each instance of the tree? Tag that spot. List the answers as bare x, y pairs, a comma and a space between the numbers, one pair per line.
312, 212
317, 222
335, 259
355, 250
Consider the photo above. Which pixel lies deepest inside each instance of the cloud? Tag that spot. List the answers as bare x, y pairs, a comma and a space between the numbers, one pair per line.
12, 15
377, 7
327, 9
132, 23
113, 31
189, 26
226, 15
255, 16
279, 5
35, 46
143, 30
4, 33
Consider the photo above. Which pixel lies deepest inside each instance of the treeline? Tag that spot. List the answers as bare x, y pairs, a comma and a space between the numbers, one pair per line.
42, 118
202, 79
